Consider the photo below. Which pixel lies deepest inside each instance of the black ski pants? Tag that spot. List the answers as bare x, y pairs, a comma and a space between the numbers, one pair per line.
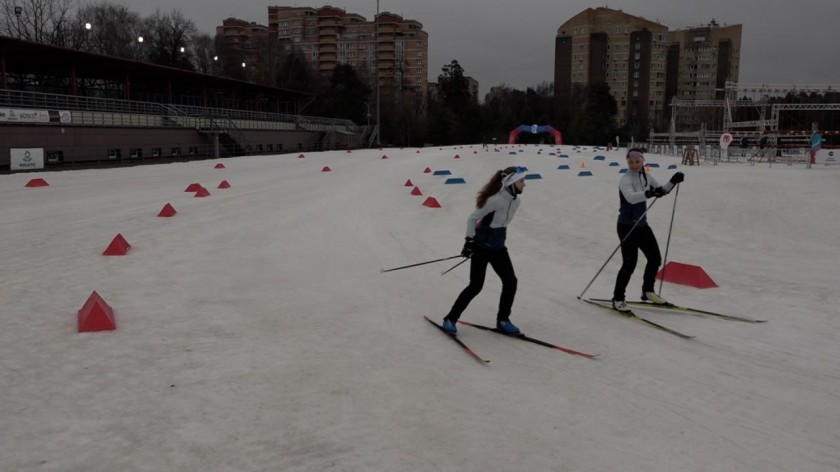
641, 238
501, 264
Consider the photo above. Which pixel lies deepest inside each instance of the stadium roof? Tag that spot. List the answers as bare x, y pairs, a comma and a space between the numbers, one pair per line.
26, 57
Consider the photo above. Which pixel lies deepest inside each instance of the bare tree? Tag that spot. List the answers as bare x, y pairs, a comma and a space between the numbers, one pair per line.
266, 55
42, 21
204, 52
114, 30
168, 40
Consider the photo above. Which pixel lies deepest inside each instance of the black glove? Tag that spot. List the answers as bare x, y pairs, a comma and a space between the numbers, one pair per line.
677, 178
655, 192
469, 247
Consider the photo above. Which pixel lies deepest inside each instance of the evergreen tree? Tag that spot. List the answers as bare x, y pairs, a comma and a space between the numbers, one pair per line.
346, 95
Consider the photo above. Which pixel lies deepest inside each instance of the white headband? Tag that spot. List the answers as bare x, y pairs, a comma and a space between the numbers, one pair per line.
512, 178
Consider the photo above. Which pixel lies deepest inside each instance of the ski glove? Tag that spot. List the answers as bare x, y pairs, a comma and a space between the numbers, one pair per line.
469, 247
655, 192
677, 178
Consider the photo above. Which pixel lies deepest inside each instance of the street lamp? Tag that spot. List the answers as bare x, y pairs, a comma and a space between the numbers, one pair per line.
86, 36
139, 39
18, 12
183, 49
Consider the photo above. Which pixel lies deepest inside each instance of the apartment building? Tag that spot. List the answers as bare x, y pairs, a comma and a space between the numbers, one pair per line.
625, 51
242, 48
329, 36
643, 62
700, 62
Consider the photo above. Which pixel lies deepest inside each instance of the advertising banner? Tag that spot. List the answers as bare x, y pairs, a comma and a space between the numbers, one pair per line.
26, 158
16, 115
827, 157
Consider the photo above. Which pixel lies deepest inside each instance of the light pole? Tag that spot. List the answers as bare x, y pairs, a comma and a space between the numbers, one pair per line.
88, 28
138, 50
18, 12
376, 52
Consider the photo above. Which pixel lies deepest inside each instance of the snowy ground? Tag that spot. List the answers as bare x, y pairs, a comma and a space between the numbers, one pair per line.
255, 331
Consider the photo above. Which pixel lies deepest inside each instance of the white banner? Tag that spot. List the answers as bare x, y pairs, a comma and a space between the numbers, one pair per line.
827, 157
15, 115
26, 158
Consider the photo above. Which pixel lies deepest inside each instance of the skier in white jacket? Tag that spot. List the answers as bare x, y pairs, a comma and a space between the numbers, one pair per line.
635, 187
485, 244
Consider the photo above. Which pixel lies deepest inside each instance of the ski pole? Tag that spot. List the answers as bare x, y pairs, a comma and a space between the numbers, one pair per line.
668, 244
418, 264
456, 265
617, 248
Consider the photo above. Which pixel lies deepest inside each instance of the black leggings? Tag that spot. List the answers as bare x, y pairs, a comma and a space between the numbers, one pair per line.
501, 264
641, 238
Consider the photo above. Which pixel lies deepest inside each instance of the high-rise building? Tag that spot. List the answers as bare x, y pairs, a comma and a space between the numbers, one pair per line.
700, 62
329, 36
243, 42
626, 52
643, 63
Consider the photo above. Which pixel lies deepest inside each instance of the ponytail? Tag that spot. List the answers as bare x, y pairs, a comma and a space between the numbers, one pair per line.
494, 185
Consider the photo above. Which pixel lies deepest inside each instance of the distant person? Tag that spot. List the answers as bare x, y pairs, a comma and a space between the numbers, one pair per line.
635, 187
484, 145
762, 143
485, 244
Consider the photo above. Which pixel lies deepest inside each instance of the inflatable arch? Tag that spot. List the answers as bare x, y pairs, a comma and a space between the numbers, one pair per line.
535, 129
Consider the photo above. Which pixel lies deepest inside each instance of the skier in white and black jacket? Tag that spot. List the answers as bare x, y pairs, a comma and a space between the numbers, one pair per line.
485, 244
635, 187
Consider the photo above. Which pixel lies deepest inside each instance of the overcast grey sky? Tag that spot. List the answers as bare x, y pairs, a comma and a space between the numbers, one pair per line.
512, 41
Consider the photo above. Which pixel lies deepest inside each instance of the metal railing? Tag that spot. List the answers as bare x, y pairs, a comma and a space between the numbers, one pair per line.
177, 113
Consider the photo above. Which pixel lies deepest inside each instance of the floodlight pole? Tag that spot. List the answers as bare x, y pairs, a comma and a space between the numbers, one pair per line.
19, 11
376, 52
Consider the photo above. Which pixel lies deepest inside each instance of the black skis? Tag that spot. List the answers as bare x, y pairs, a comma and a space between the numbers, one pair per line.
455, 338
633, 316
530, 339
672, 307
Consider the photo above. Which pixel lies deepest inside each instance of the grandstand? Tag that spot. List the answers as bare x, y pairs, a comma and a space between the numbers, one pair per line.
84, 108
